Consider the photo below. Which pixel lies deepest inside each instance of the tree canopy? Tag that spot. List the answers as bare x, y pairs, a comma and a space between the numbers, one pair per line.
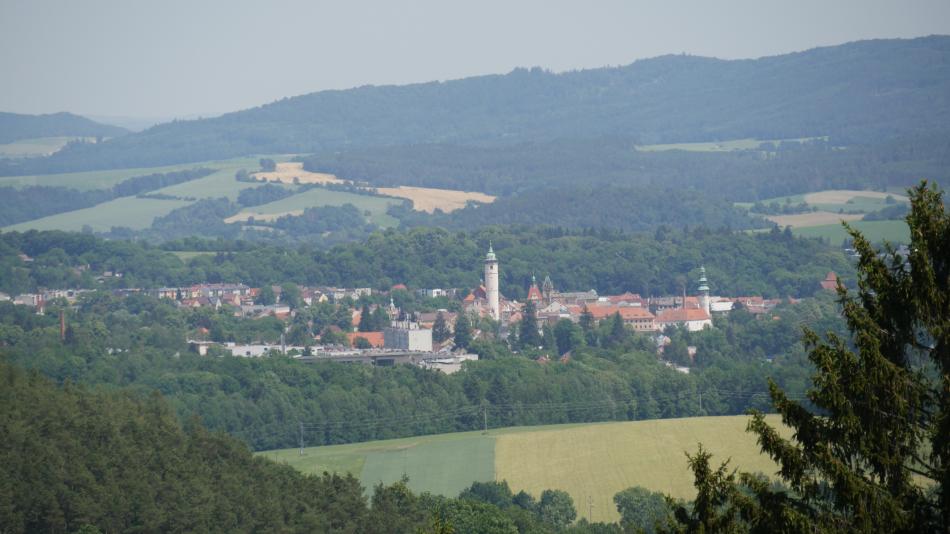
873, 454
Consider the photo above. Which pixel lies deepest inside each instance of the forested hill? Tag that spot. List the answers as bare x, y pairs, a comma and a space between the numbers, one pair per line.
861, 91
14, 126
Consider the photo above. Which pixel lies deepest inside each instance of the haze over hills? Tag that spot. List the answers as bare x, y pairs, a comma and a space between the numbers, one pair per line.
15, 126
855, 93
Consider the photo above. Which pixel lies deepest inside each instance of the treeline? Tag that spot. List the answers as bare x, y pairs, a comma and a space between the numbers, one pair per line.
612, 374
856, 92
83, 460
628, 208
18, 204
320, 227
743, 175
15, 126
772, 264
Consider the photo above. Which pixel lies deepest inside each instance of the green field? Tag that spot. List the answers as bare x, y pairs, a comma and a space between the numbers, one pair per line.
718, 146
135, 213
41, 146
874, 231
220, 183
595, 460
85, 181
319, 197
858, 204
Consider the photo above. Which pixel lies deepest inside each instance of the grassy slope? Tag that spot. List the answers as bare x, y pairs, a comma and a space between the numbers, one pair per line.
874, 231
135, 213
322, 197
596, 460
894, 231
85, 181
139, 213
40, 146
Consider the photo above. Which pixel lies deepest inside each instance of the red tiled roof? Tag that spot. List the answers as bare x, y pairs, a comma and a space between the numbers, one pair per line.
681, 315
627, 313
626, 297
399, 286
534, 293
375, 338
830, 282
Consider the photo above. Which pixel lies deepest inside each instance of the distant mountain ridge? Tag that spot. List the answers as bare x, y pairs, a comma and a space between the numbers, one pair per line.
16, 126
857, 92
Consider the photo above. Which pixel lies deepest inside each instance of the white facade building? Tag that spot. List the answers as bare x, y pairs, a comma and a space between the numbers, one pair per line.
491, 284
405, 335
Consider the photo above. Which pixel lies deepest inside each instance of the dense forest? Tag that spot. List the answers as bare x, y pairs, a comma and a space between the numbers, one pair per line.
741, 175
772, 264
14, 126
102, 460
633, 209
855, 93
320, 227
613, 374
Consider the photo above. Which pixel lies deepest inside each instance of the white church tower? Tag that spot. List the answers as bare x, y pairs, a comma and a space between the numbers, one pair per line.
703, 289
491, 283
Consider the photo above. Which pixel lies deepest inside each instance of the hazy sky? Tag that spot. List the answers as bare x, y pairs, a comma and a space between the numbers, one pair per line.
179, 58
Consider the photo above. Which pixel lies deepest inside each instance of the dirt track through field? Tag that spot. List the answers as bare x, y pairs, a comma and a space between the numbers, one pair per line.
814, 218
842, 196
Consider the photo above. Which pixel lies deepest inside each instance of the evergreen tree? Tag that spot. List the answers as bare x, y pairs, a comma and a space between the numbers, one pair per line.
366, 319
440, 329
882, 404
587, 325
547, 336
290, 296
381, 319
567, 335
266, 296
463, 331
586, 321
529, 335
618, 332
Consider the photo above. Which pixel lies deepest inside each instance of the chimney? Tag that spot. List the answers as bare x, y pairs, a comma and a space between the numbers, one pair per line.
62, 325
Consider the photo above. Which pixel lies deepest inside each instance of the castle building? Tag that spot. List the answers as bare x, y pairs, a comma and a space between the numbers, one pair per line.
692, 314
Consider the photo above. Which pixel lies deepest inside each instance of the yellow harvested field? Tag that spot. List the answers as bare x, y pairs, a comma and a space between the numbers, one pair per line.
842, 196
815, 218
597, 461
261, 217
428, 199
286, 172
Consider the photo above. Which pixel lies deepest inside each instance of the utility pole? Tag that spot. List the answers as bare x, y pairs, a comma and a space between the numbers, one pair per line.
700, 402
590, 509
301, 438
485, 418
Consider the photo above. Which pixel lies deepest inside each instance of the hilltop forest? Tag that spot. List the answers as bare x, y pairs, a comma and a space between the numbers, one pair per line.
860, 92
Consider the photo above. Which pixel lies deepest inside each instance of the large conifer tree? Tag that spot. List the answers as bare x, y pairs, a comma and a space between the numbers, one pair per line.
872, 453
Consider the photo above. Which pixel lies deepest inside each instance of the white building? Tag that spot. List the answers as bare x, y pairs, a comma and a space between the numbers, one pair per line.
491, 284
406, 335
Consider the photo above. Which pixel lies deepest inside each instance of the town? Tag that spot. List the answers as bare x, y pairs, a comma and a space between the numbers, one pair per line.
417, 326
